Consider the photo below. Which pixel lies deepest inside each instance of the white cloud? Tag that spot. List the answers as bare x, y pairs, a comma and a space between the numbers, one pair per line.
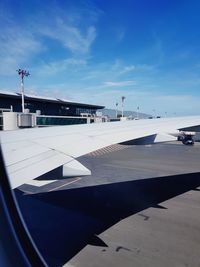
20, 42
121, 68
17, 46
145, 67
70, 36
145, 99
120, 33
127, 69
61, 65
119, 84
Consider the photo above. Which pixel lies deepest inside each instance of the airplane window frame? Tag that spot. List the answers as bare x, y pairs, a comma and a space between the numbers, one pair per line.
17, 246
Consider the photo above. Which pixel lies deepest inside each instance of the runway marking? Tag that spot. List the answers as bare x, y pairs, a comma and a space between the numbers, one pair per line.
28, 193
55, 188
40, 183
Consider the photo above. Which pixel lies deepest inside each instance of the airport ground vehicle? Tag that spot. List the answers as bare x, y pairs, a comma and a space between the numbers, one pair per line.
188, 140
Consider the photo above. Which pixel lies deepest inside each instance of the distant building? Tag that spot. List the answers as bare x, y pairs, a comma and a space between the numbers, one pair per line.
45, 105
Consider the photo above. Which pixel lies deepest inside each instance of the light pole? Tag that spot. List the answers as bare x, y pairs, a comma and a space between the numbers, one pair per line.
23, 73
154, 111
138, 113
123, 98
116, 109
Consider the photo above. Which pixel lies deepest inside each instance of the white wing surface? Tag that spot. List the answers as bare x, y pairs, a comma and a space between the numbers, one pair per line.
30, 153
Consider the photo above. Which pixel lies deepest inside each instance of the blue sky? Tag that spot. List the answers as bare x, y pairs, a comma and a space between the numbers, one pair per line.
97, 51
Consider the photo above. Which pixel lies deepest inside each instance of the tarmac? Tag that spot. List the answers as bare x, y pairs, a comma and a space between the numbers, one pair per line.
140, 207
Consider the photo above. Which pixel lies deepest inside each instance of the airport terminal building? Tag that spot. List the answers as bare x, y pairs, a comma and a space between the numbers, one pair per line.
44, 111
45, 105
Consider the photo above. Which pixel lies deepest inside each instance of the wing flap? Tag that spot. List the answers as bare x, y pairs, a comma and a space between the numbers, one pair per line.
75, 168
23, 171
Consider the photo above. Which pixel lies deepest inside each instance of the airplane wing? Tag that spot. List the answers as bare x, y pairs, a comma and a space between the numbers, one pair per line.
30, 153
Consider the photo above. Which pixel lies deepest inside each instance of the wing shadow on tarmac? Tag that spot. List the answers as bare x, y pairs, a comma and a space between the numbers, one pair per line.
63, 222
